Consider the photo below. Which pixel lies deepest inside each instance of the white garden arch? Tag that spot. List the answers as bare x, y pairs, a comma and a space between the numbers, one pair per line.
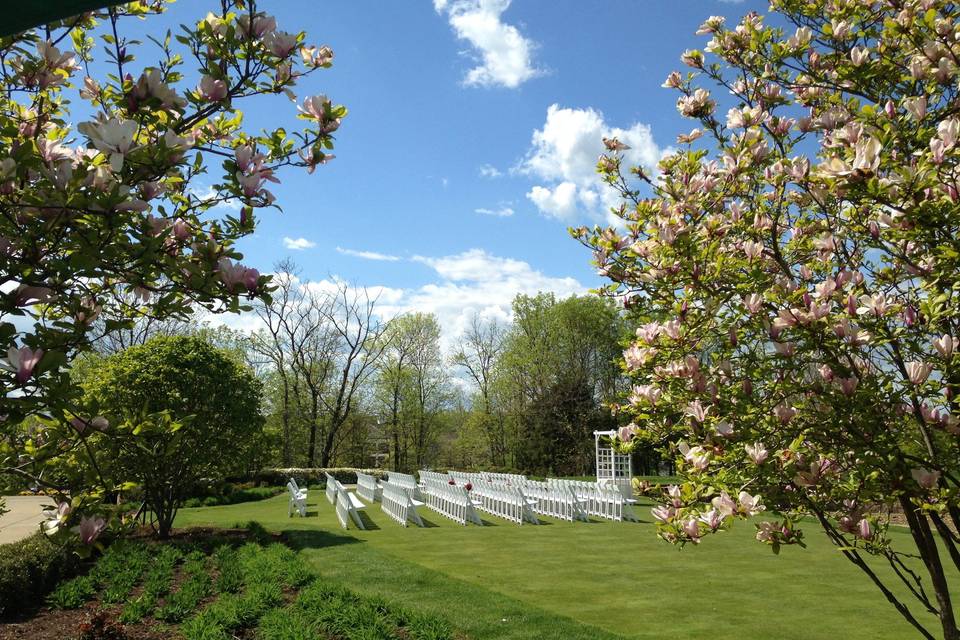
612, 467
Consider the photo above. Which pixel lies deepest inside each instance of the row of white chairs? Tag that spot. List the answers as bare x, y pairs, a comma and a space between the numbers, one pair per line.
556, 502
503, 500
396, 502
450, 500
347, 504
601, 500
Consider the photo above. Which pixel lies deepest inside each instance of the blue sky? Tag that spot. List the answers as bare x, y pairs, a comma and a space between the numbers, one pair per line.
469, 149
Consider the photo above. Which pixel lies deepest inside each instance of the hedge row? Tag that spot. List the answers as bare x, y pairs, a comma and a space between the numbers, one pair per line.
235, 496
29, 569
305, 476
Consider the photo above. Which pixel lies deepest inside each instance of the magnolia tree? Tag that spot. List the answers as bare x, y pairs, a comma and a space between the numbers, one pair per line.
795, 279
107, 208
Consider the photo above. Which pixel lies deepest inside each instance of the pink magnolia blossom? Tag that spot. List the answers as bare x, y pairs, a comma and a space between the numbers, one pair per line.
864, 530
766, 531
697, 457
925, 478
234, 273
260, 25
90, 528
212, 89
56, 517
825, 289
918, 372
784, 413
697, 411
713, 519
946, 345
316, 56
626, 433
280, 43
724, 504
23, 361
671, 329
750, 505
692, 528
649, 392
756, 452
753, 302
114, 137
663, 513
696, 104
724, 429
848, 385
315, 107
752, 250
917, 107
948, 131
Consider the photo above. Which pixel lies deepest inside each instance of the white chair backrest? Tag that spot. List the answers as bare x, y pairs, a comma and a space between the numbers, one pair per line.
367, 487
397, 503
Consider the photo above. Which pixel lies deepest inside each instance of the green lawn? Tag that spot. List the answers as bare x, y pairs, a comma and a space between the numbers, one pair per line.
584, 580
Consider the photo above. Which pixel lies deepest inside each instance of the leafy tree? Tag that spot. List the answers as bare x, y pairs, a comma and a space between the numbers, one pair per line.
114, 217
557, 366
182, 411
413, 388
796, 278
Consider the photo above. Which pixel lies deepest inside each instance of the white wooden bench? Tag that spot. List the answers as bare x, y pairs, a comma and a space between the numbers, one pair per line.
397, 503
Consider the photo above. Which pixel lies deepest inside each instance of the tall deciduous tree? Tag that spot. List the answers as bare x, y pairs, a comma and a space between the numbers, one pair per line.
796, 277
478, 352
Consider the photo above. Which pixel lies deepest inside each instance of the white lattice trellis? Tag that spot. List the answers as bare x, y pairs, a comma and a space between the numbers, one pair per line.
612, 467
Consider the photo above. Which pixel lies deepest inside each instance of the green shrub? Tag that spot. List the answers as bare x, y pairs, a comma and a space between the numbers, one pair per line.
287, 624
197, 586
74, 593
230, 578
137, 609
312, 475
29, 570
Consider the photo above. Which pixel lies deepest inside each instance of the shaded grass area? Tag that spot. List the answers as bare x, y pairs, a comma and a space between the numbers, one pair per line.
586, 580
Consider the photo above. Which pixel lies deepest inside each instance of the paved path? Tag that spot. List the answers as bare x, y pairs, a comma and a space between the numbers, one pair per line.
23, 518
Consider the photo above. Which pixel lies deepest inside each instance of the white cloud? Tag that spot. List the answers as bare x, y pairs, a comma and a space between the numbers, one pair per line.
505, 56
477, 282
367, 255
502, 212
563, 155
464, 284
490, 171
298, 244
